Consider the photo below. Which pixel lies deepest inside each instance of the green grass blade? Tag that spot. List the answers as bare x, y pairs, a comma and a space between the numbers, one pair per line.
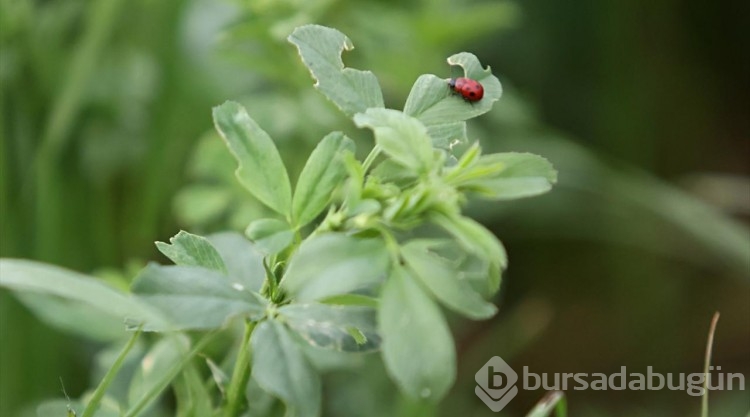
709, 350
150, 396
93, 404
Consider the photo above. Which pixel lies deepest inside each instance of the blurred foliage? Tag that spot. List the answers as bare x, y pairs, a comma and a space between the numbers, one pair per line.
106, 134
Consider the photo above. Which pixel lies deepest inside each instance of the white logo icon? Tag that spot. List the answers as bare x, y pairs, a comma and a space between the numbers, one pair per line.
496, 383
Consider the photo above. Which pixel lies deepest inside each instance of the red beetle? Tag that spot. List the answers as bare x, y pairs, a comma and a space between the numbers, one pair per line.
470, 90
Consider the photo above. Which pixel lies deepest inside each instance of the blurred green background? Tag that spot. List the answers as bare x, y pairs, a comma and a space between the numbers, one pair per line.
107, 146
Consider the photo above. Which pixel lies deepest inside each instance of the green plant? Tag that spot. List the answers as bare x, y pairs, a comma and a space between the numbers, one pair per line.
389, 247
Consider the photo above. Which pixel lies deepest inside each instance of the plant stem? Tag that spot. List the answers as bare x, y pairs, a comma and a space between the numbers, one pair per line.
159, 386
706, 366
96, 398
371, 158
241, 373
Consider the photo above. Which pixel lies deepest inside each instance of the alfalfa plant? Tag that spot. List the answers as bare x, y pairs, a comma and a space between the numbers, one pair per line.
360, 256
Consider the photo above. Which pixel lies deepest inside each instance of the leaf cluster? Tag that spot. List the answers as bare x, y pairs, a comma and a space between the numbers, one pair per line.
359, 256
391, 244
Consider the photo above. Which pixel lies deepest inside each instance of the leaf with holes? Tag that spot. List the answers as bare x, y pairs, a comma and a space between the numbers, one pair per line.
192, 250
261, 170
432, 102
352, 91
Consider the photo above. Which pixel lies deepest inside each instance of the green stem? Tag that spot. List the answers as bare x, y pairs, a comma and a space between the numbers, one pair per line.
93, 404
157, 388
391, 244
371, 157
240, 375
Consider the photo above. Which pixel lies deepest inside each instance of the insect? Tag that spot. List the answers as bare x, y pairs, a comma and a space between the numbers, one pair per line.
470, 90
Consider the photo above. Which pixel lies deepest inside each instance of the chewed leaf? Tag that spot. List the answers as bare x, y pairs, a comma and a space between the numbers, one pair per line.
188, 249
261, 170
352, 91
432, 101
471, 66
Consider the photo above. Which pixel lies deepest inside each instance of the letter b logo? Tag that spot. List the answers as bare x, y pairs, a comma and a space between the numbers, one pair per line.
495, 383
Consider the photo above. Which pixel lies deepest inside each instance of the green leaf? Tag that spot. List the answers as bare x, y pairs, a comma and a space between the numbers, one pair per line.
428, 91
356, 173
270, 235
446, 135
390, 172
159, 367
192, 250
160, 360
63, 408
95, 400
417, 345
218, 376
402, 137
67, 315
194, 298
509, 188
518, 164
351, 300
341, 328
261, 403
324, 171
433, 103
510, 175
280, 368
466, 166
33, 277
352, 91
261, 170
192, 396
476, 239
333, 264
243, 261
445, 282
365, 208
